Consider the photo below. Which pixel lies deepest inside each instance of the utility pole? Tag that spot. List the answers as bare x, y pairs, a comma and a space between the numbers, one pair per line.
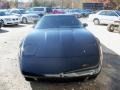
51, 2
43, 2
72, 4
61, 3
31, 3
16, 3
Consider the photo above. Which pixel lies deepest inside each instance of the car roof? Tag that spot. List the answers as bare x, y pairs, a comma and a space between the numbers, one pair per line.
3, 10
39, 7
59, 15
16, 9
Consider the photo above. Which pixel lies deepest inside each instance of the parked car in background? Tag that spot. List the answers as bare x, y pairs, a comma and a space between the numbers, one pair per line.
41, 11
25, 17
105, 17
60, 47
74, 12
58, 11
114, 26
86, 12
8, 19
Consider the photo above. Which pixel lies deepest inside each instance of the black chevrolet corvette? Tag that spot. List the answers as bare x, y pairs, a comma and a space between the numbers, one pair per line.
60, 47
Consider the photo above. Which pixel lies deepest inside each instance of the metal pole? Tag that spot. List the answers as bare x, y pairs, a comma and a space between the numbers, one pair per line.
31, 1
51, 2
72, 4
61, 3
44, 3
17, 3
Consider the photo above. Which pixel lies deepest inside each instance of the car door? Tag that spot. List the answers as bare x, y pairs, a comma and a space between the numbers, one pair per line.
15, 12
102, 16
111, 17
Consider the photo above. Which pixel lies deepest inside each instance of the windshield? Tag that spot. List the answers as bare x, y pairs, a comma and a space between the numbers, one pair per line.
22, 11
38, 9
49, 10
2, 13
58, 22
118, 12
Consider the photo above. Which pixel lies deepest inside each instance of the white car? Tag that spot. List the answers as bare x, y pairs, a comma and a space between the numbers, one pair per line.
105, 17
24, 16
74, 12
8, 19
41, 11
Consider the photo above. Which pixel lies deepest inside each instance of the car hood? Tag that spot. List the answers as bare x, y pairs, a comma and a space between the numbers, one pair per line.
60, 43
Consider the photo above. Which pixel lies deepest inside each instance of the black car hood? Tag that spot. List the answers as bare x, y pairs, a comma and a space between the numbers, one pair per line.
55, 43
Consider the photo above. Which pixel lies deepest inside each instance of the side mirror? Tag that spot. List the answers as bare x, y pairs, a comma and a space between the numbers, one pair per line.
85, 24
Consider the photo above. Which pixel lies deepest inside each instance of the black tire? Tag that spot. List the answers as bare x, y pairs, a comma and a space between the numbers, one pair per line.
2, 23
24, 20
111, 28
96, 21
93, 77
29, 79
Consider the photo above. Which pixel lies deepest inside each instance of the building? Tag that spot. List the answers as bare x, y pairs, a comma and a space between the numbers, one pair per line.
99, 1
4, 4
93, 4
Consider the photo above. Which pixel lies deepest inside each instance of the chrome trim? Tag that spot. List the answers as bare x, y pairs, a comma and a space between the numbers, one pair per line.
76, 74
70, 75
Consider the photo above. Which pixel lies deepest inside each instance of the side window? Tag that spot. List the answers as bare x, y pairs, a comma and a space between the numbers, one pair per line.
48, 10
103, 13
31, 9
110, 13
15, 11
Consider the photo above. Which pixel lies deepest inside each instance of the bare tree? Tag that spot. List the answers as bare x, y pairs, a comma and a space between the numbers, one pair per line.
113, 4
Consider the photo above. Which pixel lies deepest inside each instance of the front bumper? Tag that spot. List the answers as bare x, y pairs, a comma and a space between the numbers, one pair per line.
11, 22
73, 74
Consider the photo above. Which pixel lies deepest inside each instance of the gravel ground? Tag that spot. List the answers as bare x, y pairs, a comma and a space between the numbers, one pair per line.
11, 78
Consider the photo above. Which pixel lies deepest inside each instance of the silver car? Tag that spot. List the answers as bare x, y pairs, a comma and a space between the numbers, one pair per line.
24, 16
8, 19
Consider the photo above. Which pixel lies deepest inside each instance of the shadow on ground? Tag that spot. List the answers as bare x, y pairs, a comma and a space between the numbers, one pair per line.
15, 26
109, 78
3, 31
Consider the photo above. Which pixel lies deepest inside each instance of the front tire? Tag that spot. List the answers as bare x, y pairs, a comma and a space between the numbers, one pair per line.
29, 79
2, 23
111, 28
96, 21
93, 77
24, 20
